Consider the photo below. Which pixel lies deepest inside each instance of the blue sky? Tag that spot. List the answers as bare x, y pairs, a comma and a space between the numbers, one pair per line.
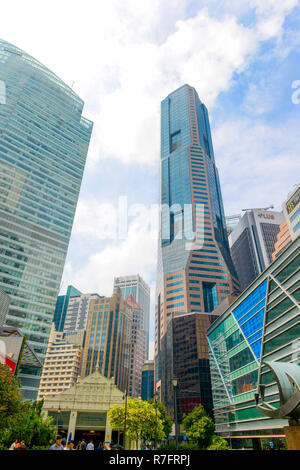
124, 57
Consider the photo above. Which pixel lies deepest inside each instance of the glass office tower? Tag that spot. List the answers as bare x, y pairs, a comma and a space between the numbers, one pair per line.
195, 270
43, 147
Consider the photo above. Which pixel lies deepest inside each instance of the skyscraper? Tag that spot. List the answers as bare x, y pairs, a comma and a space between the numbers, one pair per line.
252, 243
44, 141
140, 291
61, 307
108, 339
78, 312
195, 271
137, 348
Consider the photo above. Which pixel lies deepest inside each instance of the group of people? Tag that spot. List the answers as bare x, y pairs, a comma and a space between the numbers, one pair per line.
16, 445
61, 444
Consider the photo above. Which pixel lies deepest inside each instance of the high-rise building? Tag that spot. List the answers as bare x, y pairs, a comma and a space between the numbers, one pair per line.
44, 141
139, 289
252, 243
62, 363
108, 339
262, 324
195, 271
148, 380
78, 311
291, 211
185, 356
282, 239
61, 307
4, 306
231, 222
137, 349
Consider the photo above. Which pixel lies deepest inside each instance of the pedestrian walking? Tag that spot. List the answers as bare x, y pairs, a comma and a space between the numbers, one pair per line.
57, 445
83, 445
100, 446
90, 446
78, 447
71, 445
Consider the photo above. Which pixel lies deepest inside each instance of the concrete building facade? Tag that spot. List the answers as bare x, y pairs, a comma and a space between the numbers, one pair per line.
62, 363
137, 349
78, 311
81, 411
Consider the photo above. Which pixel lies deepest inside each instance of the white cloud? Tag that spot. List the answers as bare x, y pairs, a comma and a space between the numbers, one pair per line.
256, 165
135, 254
271, 15
125, 56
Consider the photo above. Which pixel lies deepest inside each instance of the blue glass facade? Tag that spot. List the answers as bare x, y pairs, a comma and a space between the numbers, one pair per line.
147, 384
44, 141
262, 324
61, 307
192, 237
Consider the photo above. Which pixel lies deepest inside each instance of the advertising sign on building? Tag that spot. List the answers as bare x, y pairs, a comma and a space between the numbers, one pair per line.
10, 348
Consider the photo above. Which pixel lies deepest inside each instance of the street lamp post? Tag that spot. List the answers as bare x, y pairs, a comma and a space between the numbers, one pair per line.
175, 383
58, 413
119, 413
155, 401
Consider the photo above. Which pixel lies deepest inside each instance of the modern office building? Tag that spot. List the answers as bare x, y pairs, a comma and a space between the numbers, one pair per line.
282, 239
62, 363
194, 271
291, 211
4, 306
108, 339
231, 222
252, 243
148, 380
61, 307
139, 289
137, 348
185, 356
44, 141
262, 324
78, 311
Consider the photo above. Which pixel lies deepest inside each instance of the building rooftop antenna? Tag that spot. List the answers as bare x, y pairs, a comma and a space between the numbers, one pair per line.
258, 208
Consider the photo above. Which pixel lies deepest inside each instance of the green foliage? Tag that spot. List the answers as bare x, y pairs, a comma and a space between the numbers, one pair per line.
199, 427
181, 446
21, 419
167, 422
218, 443
140, 421
10, 397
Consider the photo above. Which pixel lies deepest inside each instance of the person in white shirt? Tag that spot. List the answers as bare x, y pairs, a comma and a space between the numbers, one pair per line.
90, 446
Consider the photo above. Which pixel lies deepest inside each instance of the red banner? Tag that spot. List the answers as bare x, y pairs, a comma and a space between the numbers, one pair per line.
12, 365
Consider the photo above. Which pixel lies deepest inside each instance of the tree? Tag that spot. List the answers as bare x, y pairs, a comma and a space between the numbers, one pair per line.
167, 422
140, 420
20, 419
218, 443
10, 396
199, 427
